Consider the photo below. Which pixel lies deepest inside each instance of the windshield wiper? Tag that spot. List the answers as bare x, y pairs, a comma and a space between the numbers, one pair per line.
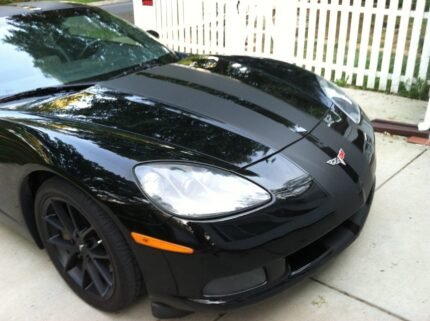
44, 91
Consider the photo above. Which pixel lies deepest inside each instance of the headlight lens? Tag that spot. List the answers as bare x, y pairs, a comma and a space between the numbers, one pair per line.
340, 99
196, 191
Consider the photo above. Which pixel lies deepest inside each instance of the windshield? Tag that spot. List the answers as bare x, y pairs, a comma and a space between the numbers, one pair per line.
69, 46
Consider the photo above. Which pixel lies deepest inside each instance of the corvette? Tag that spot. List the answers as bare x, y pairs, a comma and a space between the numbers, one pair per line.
204, 181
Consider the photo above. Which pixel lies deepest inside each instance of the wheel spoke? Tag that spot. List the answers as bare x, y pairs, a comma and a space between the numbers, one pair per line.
103, 271
71, 261
72, 217
97, 244
95, 278
54, 222
98, 253
63, 216
86, 232
57, 241
84, 285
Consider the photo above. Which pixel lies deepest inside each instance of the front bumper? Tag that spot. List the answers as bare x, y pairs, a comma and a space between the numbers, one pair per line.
299, 264
184, 274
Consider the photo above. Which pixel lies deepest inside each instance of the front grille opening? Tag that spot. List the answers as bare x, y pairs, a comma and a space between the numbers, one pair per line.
235, 284
301, 260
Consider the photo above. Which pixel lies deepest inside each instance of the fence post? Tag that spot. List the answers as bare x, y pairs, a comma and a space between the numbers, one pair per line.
285, 30
425, 125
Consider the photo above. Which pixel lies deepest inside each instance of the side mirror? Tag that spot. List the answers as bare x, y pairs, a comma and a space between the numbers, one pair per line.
153, 33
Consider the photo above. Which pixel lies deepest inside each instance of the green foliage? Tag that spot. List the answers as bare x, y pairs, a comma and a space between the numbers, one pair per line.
10, 1
417, 90
3, 2
342, 82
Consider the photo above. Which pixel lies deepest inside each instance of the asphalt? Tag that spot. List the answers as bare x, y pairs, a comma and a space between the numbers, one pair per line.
123, 9
382, 276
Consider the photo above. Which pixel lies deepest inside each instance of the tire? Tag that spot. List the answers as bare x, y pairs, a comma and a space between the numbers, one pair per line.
86, 247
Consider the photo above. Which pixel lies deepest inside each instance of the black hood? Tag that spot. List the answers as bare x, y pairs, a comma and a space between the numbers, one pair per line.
236, 109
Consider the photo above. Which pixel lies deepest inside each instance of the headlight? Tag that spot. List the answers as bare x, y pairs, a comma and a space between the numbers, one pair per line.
340, 99
197, 191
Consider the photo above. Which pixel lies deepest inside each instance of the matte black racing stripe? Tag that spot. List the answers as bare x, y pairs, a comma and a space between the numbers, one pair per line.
332, 154
239, 101
224, 113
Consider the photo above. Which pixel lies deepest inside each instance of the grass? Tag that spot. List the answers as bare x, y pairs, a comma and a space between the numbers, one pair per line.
9, 1
417, 90
342, 82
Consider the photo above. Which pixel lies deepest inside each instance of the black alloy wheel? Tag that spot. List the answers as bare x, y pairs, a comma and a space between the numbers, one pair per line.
86, 247
78, 248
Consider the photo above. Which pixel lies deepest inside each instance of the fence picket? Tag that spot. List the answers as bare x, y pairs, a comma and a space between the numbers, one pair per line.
425, 54
268, 32
415, 38
166, 20
206, 23
259, 32
388, 44
329, 37
311, 36
322, 24
343, 29
252, 28
401, 43
300, 46
213, 30
221, 19
285, 31
179, 25
353, 37
364, 42
174, 24
376, 44
187, 40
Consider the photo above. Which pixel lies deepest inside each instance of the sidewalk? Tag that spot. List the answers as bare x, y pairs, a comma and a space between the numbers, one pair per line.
390, 107
384, 275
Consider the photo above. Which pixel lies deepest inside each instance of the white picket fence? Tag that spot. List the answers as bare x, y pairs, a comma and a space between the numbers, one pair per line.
376, 44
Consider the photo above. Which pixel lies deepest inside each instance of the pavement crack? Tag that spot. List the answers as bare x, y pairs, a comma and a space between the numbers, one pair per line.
361, 300
219, 316
402, 168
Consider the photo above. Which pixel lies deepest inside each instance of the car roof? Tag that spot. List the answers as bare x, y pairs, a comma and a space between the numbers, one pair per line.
32, 7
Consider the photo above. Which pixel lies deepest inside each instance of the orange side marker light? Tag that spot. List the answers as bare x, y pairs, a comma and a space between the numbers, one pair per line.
160, 244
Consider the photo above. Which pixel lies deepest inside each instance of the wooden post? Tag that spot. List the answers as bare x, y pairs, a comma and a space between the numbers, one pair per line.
425, 125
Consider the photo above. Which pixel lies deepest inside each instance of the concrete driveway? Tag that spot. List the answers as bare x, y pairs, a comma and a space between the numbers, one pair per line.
384, 275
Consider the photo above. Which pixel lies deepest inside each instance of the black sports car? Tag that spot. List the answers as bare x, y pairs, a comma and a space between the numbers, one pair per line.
204, 181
